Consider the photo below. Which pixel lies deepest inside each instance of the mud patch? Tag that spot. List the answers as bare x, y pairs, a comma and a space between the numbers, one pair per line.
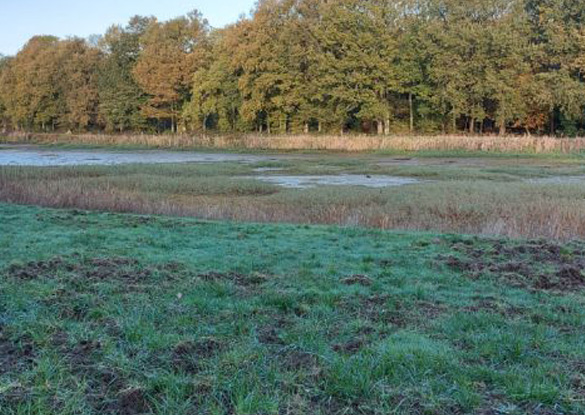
16, 355
13, 396
357, 279
391, 311
187, 356
491, 305
270, 335
271, 332
133, 401
298, 360
351, 347
106, 388
536, 265
73, 267
244, 280
67, 218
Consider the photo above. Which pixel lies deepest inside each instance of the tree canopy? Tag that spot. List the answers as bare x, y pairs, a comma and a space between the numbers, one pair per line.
299, 66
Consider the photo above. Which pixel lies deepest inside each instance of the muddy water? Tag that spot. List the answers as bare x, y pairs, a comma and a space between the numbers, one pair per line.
305, 182
33, 156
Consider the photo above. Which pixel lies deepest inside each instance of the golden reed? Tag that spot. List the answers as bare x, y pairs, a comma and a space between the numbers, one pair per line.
349, 143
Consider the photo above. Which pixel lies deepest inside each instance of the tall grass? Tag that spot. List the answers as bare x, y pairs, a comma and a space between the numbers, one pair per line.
352, 143
513, 209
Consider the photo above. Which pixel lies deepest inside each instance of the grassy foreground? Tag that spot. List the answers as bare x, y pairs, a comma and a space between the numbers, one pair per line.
122, 314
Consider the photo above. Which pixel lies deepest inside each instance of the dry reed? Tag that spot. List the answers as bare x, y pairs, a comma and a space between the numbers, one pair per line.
529, 216
350, 143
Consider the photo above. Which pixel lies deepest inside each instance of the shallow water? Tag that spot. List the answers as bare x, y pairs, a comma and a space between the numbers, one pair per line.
267, 169
559, 180
305, 182
33, 156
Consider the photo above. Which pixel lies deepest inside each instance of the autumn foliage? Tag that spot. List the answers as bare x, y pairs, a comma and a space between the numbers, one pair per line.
304, 66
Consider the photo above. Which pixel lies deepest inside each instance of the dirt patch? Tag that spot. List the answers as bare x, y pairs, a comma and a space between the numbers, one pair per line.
297, 360
82, 354
244, 280
537, 265
392, 311
492, 306
16, 355
270, 332
270, 335
357, 279
106, 387
70, 303
186, 356
74, 267
133, 401
351, 347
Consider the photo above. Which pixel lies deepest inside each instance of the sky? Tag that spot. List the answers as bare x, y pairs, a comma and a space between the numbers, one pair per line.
22, 19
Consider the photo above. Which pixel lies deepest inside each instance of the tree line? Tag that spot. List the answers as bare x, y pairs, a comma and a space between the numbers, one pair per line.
301, 66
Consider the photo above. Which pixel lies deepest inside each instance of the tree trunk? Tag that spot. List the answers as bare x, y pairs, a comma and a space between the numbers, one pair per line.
503, 127
387, 127
472, 125
411, 109
380, 125
319, 126
552, 123
306, 129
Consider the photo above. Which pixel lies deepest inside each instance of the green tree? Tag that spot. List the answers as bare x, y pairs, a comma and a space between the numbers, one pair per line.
77, 65
4, 80
171, 53
557, 28
216, 100
120, 97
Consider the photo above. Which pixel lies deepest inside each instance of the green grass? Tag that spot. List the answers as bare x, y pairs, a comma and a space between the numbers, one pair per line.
106, 313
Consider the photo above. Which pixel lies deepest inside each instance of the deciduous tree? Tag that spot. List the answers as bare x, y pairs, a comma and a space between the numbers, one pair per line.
171, 53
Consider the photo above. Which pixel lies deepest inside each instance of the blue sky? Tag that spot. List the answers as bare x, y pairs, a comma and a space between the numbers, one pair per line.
22, 19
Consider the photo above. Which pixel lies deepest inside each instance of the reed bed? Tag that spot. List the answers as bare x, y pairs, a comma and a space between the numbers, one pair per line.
515, 209
349, 143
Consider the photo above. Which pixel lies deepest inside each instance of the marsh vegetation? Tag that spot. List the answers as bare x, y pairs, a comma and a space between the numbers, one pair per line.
504, 196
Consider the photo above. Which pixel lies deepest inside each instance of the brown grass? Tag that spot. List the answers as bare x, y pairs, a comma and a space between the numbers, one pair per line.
351, 143
498, 209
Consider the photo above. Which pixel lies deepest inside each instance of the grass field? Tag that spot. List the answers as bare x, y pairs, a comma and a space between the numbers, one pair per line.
487, 196
121, 314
